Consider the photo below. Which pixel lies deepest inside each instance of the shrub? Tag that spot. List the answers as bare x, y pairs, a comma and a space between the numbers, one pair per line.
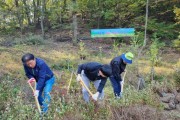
176, 43
30, 40
155, 50
132, 96
162, 29
64, 64
82, 51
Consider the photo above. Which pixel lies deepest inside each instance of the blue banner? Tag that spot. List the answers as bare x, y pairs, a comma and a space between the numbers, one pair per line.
119, 32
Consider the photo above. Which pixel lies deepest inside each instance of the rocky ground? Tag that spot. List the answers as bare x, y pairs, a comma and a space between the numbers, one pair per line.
170, 99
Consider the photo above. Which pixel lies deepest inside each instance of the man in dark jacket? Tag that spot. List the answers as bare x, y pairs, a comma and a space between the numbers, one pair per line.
118, 65
96, 73
38, 71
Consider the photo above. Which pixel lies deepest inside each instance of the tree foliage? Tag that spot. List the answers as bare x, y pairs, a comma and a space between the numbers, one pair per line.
22, 14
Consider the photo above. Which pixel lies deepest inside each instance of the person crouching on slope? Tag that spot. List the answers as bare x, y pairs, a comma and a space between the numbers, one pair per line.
96, 73
118, 65
38, 71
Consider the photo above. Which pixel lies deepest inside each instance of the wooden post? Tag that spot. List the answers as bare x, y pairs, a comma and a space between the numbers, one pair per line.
70, 82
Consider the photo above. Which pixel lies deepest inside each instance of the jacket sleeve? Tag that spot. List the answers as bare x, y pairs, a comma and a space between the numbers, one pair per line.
116, 71
28, 74
101, 85
80, 68
41, 77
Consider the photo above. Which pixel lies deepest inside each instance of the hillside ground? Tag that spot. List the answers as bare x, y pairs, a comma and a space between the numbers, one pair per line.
17, 102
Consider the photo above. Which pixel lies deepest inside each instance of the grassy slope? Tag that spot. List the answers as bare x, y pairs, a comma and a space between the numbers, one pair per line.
17, 101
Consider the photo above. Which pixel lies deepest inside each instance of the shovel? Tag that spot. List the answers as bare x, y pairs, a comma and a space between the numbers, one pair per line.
82, 83
122, 83
36, 99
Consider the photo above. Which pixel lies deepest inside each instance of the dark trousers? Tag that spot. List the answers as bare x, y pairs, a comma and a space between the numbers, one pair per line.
116, 84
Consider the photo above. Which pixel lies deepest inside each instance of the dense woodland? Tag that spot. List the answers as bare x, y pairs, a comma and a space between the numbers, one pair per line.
58, 31
28, 15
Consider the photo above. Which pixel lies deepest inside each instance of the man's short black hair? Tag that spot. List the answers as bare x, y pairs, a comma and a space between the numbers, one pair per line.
27, 57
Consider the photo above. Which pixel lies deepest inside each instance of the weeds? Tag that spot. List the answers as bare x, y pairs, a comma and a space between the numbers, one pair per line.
154, 54
176, 74
132, 97
82, 51
176, 43
65, 64
16, 100
29, 40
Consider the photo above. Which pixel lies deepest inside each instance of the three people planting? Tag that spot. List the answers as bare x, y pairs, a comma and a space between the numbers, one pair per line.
38, 71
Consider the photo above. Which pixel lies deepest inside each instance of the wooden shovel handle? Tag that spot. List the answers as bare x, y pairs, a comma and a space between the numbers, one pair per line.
82, 83
124, 75
36, 99
122, 85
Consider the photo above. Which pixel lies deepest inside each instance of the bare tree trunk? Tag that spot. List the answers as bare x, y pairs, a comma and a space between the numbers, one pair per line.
42, 18
60, 17
118, 20
98, 14
74, 29
98, 21
64, 6
74, 24
152, 73
27, 12
145, 35
19, 15
35, 11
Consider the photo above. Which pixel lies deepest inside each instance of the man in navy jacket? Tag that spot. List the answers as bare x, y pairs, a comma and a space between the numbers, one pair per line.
118, 65
38, 71
96, 73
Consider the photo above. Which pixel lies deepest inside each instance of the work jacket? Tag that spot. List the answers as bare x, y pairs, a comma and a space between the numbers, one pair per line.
91, 70
41, 73
118, 66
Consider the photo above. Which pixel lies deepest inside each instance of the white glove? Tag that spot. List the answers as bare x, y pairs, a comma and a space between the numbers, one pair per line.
78, 77
95, 96
36, 93
122, 82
